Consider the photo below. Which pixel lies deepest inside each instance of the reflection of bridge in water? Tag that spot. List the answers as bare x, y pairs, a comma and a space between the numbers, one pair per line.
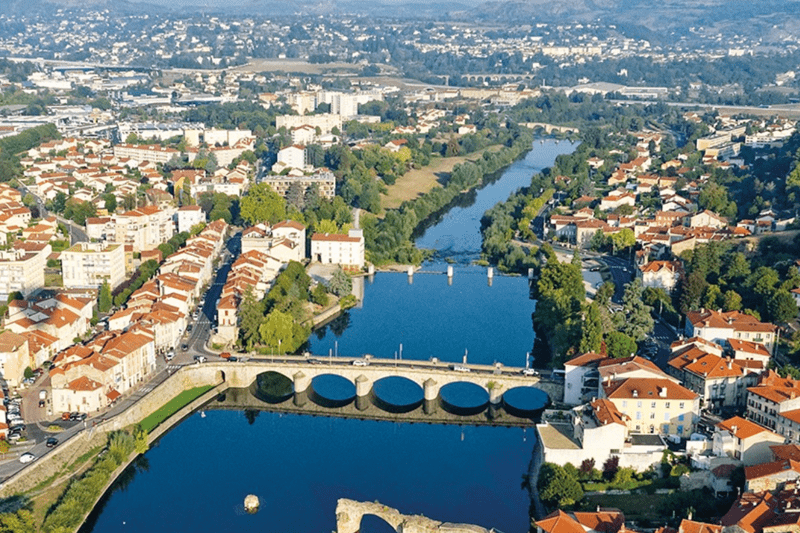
349, 514
371, 408
285, 385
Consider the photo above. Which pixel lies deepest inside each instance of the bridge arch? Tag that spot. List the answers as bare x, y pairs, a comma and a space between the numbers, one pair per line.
464, 397
397, 394
332, 389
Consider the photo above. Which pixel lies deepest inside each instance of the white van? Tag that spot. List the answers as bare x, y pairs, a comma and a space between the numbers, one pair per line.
459, 368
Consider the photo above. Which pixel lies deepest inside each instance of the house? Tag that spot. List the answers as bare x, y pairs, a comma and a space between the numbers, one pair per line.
22, 268
771, 476
15, 356
345, 250
188, 216
596, 431
775, 404
744, 441
720, 326
600, 521
655, 405
661, 275
721, 382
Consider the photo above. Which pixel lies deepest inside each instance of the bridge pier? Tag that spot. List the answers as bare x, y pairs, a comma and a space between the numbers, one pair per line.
363, 388
495, 394
301, 382
300, 399
430, 395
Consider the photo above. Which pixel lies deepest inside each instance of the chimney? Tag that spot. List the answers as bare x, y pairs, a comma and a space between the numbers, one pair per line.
734, 429
730, 363
663, 392
689, 514
793, 395
635, 393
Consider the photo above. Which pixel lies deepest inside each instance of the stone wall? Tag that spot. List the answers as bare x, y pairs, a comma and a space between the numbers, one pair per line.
349, 514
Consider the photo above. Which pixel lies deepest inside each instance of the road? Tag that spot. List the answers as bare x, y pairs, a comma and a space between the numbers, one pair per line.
37, 420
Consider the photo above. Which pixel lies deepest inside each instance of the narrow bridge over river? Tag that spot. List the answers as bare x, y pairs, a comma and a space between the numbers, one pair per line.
429, 375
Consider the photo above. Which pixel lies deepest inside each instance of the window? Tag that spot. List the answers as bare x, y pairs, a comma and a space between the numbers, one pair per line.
680, 417
652, 416
680, 405
665, 428
624, 403
680, 430
666, 417
666, 405
638, 415
652, 405
639, 403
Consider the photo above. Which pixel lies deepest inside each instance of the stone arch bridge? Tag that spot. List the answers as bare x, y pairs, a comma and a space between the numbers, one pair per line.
349, 514
430, 376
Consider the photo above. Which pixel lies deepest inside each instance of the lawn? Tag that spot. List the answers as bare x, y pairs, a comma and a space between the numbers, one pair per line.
417, 182
53, 280
173, 406
636, 507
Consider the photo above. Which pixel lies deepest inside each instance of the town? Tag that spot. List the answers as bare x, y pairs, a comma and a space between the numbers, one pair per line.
184, 195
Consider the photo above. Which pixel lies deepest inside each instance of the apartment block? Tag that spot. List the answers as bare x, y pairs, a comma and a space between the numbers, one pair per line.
90, 264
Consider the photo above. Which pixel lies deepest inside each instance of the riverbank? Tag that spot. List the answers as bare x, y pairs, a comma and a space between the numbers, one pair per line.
419, 181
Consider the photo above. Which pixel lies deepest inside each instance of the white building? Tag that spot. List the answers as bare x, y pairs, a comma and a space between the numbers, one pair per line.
345, 250
188, 216
90, 264
22, 268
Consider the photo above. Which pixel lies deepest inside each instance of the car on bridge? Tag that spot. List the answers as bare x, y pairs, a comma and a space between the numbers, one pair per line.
459, 368
360, 362
529, 372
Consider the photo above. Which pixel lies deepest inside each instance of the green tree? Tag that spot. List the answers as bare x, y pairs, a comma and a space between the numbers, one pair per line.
638, 321
277, 331
320, 295
623, 239
619, 344
592, 331
557, 489
140, 439
731, 301
262, 204
251, 315
341, 284
104, 297
326, 226
782, 307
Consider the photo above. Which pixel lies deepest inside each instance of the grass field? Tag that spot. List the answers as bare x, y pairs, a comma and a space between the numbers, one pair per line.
419, 181
634, 506
53, 280
173, 406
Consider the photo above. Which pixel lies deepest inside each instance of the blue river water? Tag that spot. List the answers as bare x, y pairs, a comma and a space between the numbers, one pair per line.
196, 477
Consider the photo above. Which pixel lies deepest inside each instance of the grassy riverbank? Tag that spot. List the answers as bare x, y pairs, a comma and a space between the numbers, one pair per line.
173, 406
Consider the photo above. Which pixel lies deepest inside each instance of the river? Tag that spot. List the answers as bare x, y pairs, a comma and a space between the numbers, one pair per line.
196, 476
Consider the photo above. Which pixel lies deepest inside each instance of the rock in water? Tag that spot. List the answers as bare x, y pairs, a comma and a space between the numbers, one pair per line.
251, 503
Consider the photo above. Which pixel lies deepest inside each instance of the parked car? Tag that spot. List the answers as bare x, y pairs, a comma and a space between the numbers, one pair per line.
27, 457
13, 437
170, 355
233, 359
185, 347
200, 358
52, 442
66, 416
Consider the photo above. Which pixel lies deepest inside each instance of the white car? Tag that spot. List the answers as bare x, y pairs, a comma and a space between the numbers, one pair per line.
27, 457
360, 362
529, 372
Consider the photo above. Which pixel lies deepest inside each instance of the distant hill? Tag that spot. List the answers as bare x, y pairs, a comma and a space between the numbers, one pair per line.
656, 16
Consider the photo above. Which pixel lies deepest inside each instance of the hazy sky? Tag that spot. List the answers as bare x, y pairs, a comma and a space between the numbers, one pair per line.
229, 4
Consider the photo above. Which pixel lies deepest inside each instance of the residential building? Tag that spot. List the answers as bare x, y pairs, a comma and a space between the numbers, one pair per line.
744, 441
345, 250
188, 216
720, 326
323, 180
655, 406
15, 356
22, 268
660, 275
775, 404
596, 431
88, 265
